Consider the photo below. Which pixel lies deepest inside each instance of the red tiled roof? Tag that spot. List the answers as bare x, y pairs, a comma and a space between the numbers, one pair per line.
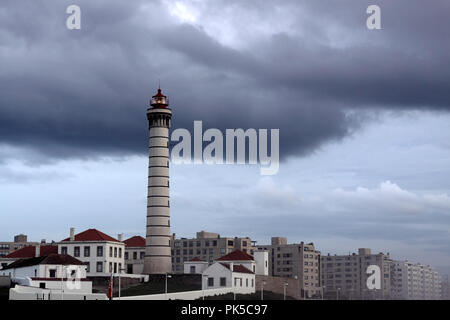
196, 259
92, 235
136, 241
237, 268
52, 258
30, 252
236, 255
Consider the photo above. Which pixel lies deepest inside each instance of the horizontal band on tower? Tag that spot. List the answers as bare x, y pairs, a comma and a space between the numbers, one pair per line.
158, 196
166, 147
158, 225
158, 206
157, 245
159, 157
158, 255
158, 176
158, 166
158, 186
155, 235
158, 216
165, 137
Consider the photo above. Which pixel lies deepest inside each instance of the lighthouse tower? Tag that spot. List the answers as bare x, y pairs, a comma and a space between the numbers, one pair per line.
158, 258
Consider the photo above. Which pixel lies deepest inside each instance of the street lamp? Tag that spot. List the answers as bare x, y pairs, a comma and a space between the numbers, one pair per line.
337, 293
263, 283
285, 284
167, 276
120, 271
322, 289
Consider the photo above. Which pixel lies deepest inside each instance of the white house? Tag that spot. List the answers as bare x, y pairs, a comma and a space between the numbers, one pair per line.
100, 253
135, 254
195, 266
235, 270
53, 272
262, 262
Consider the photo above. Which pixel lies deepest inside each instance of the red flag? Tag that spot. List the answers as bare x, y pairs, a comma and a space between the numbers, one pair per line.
110, 288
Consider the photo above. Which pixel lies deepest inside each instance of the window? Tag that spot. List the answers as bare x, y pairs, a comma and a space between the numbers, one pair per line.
192, 269
134, 255
99, 251
210, 282
230, 243
115, 252
246, 282
253, 283
42, 285
191, 251
240, 281
63, 250
214, 243
206, 243
88, 266
99, 266
110, 252
76, 251
126, 255
120, 252
87, 251
223, 282
142, 255
244, 243
52, 273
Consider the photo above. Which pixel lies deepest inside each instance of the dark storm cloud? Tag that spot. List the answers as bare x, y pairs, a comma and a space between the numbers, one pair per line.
84, 93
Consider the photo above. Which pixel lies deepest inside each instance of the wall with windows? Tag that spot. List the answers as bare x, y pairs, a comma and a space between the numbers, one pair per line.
100, 258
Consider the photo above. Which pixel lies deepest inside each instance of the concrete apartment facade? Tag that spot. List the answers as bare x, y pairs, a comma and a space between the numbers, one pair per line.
298, 260
345, 276
20, 241
414, 281
207, 246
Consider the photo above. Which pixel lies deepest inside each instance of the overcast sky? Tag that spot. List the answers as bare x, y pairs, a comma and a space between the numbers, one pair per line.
363, 118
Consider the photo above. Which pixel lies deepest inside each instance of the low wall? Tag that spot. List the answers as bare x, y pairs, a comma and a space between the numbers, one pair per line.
276, 285
31, 293
190, 295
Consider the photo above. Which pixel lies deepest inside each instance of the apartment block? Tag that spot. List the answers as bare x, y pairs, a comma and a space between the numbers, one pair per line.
20, 241
414, 281
207, 246
345, 276
297, 260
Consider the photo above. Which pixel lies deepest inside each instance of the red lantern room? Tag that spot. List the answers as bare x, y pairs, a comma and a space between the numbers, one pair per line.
159, 100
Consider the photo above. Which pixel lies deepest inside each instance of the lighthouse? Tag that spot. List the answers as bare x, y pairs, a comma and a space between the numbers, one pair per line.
158, 258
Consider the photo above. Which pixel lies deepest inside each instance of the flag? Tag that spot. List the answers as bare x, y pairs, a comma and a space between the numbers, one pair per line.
110, 288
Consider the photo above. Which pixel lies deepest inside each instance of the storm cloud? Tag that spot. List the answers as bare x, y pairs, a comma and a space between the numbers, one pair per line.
310, 68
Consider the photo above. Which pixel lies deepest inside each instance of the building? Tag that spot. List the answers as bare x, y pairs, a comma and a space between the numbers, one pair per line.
445, 288
20, 241
101, 253
345, 276
27, 252
195, 266
135, 254
235, 270
414, 281
297, 260
157, 258
207, 246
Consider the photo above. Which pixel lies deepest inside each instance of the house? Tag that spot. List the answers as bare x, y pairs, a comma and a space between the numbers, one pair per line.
30, 251
195, 266
100, 253
53, 271
235, 270
134, 254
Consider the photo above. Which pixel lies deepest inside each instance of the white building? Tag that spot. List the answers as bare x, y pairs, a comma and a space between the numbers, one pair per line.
262, 262
414, 281
235, 270
54, 273
101, 253
135, 255
195, 266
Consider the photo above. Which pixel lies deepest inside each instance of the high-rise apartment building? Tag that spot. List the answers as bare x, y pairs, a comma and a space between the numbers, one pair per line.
206, 246
345, 276
414, 281
297, 260
20, 241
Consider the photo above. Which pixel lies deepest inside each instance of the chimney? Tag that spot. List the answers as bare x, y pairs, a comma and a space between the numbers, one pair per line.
119, 237
43, 241
231, 266
38, 251
72, 234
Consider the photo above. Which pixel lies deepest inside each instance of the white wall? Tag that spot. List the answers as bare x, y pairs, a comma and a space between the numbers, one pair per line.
30, 293
200, 266
262, 262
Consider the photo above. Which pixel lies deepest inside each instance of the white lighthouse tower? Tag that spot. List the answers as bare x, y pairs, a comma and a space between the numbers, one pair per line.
158, 258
